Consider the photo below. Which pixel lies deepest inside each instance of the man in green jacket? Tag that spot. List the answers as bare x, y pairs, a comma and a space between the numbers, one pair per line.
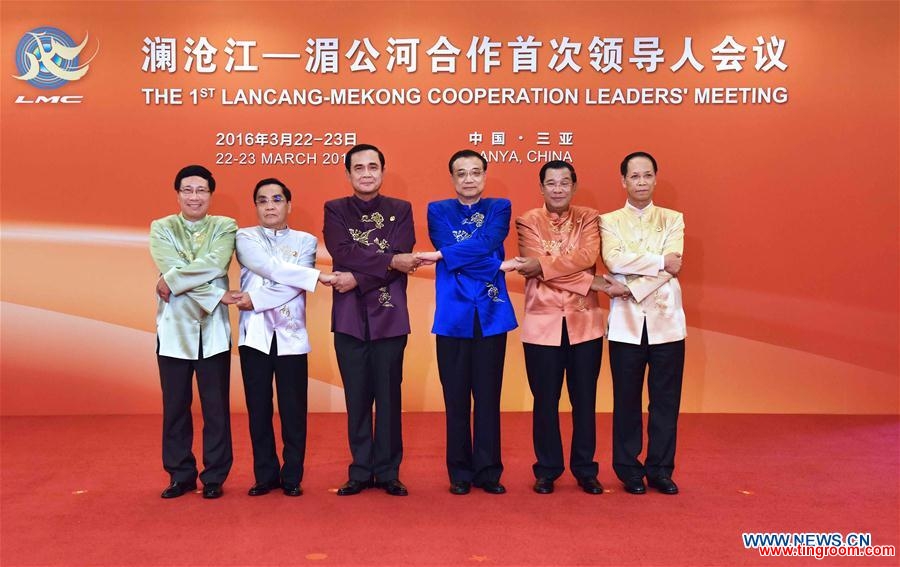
192, 251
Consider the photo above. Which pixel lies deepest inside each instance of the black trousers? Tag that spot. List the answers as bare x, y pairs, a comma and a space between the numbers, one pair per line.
472, 369
628, 363
372, 371
291, 378
213, 377
545, 366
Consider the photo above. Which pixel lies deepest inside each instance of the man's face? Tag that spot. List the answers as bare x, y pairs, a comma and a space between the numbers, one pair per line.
365, 174
468, 179
558, 190
639, 182
194, 197
272, 207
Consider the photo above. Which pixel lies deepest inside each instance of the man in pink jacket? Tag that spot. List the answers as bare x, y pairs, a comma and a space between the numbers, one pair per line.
559, 245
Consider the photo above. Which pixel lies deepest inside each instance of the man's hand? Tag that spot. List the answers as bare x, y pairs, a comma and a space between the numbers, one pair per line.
162, 289
428, 258
610, 286
529, 267
509, 265
343, 281
244, 302
615, 288
327, 279
673, 263
231, 297
406, 263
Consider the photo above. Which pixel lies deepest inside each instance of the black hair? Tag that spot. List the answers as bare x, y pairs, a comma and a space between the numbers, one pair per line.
362, 148
466, 154
624, 167
272, 181
195, 171
558, 164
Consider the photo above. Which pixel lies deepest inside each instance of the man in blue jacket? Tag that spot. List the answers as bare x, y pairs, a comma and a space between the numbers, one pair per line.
471, 320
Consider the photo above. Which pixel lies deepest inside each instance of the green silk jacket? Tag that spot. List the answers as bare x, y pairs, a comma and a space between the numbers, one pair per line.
193, 258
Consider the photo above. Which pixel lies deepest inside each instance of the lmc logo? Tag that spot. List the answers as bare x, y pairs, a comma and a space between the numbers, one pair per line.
47, 58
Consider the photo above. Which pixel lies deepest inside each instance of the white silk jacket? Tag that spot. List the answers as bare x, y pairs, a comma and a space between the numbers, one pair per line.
277, 270
635, 242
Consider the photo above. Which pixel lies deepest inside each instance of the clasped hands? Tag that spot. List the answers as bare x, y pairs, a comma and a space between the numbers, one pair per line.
406, 262
531, 268
610, 286
231, 297
243, 301
341, 281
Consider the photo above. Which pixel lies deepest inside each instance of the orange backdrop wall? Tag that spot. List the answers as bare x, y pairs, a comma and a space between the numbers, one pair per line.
787, 173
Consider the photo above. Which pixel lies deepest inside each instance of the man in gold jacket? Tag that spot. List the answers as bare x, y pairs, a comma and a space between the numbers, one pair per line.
642, 247
192, 251
559, 245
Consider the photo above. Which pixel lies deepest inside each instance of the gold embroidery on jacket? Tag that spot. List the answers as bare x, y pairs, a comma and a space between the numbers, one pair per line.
384, 297
580, 305
555, 247
376, 217
562, 228
361, 236
551, 247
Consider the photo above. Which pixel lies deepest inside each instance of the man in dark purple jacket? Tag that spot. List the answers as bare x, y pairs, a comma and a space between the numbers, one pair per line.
370, 238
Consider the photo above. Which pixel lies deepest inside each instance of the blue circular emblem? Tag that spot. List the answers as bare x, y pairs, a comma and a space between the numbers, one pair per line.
37, 53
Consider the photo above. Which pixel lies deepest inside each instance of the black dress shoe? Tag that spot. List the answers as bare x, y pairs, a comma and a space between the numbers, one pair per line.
393, 487
491, 487
261, 488
543, 486
176, 489
635, 485
460, 487
591, 485
352, 487
663, 484
212, 490
291, 489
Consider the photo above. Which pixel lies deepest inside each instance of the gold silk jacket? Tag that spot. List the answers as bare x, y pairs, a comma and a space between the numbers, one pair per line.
193, 258
567, 246
634, 244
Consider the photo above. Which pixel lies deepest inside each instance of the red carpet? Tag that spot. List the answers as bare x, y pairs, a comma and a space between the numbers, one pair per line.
85, 491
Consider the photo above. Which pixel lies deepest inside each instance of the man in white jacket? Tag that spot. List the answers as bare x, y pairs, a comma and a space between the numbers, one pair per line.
277, 269
642, 247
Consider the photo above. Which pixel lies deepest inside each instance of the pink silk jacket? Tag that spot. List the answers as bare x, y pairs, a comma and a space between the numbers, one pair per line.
567, 247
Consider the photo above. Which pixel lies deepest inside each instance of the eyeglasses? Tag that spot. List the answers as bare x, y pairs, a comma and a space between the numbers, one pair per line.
277, 199
474, 174
564, 185
200, 191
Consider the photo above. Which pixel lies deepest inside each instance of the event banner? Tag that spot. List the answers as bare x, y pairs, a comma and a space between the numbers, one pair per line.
775, 126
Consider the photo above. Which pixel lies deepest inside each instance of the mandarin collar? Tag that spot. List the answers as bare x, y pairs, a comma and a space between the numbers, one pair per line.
471, 207
275, 233
557, 217
194, 226
639, 212
366, 205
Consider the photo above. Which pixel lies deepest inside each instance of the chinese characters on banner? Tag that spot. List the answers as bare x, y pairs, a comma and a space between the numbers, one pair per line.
482, 54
